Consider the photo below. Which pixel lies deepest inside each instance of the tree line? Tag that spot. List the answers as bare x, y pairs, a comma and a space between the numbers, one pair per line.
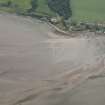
61, 7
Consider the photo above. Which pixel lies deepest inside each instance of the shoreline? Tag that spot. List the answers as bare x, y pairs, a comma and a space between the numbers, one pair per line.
56, 29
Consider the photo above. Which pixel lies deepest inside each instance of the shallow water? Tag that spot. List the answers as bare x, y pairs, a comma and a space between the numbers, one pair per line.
38, 67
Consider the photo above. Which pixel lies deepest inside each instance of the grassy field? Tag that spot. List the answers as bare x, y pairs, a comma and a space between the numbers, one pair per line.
83, 10
91, 10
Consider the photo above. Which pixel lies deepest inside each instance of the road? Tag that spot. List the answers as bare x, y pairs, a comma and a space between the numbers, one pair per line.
39, 67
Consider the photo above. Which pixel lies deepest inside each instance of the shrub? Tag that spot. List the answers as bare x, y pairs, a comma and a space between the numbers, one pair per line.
61, 7
34, 5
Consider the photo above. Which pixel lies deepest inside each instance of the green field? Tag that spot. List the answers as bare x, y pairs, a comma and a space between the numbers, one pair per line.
91, 10
83, 10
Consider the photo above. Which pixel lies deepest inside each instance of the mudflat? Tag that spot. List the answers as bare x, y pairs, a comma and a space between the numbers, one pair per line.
39, 67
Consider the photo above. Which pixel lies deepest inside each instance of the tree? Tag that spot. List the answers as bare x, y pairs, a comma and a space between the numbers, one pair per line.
9, 3
34, 5
61, 7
